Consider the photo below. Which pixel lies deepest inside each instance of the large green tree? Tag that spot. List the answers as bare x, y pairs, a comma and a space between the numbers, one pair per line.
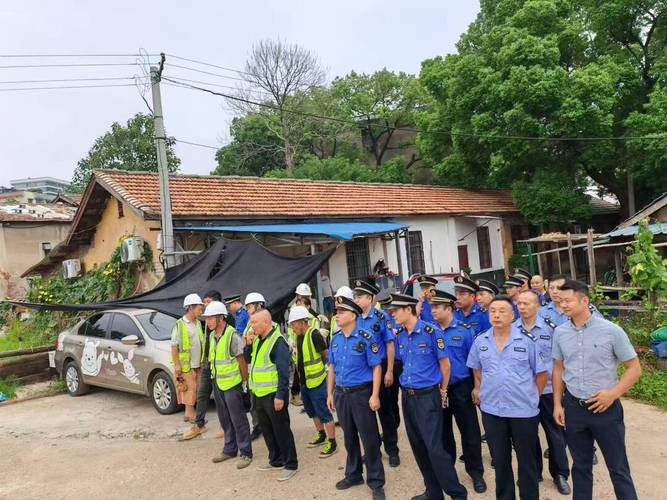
126, 147
551, 69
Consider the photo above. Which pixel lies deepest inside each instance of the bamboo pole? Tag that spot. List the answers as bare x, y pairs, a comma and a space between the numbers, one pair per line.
591, 258
570, 253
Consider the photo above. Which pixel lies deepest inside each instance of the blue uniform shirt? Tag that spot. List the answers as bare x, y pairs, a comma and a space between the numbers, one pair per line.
390, 324
241, 318
420, 352
458, 339
426, 315
353, 357
543, 331
515, 308
477, 318
376, 324
550, 312
508, 386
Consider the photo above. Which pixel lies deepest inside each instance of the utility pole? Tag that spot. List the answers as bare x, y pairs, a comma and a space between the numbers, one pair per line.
163, 171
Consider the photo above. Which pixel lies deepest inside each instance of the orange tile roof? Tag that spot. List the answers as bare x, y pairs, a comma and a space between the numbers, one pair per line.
211, 196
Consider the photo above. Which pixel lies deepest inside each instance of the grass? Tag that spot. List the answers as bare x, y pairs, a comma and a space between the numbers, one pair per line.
24, 335
651, 387
56, 386
8, 387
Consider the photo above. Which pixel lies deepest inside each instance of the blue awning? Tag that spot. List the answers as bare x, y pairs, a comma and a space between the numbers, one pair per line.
337, 230
632, 230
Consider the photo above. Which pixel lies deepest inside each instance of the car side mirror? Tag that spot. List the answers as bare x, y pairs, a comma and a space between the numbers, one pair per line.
131, 340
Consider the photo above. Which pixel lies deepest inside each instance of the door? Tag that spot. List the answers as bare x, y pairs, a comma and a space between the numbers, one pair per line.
128, 364
463, 257
91, 344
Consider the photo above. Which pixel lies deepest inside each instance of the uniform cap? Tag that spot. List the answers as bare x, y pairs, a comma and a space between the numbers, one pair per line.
465, 283
399, 300
345, 291
424, 280
512, 281
232, 298
348, 305
488, 286
192, 299
522, 273
303, 289
365, 287
253, 298
215, 308
442, 297
297, 313
383, 298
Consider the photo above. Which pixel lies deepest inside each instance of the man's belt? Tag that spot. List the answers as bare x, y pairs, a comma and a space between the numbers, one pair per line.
418, 392
355, 388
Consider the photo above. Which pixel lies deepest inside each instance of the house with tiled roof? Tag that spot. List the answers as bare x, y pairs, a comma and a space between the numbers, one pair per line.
412, 228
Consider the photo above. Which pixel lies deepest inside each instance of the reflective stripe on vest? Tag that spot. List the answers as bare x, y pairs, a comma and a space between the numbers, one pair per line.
263, 379
224, 367
184, 353
313, 367
313, 322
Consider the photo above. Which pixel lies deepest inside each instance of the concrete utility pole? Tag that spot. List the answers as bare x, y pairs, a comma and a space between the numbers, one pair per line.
160, 145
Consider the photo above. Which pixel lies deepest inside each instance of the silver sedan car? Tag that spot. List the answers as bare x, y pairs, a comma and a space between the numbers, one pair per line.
123, 349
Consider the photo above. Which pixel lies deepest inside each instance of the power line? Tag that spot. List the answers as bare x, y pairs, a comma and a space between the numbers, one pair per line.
70, 87
17, 56
414, 129
72, 80
68, 65
181, 141
209, 64
205, 72
260, 93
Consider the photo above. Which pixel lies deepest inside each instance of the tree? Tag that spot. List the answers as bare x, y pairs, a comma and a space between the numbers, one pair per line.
344, 169
548, 69
129, 147
284, 72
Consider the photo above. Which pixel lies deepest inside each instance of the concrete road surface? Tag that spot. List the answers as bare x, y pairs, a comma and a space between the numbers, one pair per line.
109, 444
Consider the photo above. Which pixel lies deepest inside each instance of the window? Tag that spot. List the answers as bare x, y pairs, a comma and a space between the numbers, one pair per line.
96, 326
120, 209
46, 247
122, 326
157, 325
358, 265
484, 247
416, 252
463, 257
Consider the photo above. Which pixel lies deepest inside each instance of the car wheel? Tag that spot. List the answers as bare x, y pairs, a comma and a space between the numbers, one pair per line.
163, 394
73, 381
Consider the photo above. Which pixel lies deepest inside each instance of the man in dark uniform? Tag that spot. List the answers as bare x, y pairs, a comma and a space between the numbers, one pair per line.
424, 381
373, 320
238, 312
458, 339
467, 310
524, 276
512, 287
487, 291
427, 285
392, 327
353, 390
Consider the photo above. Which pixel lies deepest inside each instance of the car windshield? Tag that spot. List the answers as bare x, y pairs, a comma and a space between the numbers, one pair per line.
157, 325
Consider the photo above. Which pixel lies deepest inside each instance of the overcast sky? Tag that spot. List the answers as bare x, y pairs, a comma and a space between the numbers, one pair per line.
46, 132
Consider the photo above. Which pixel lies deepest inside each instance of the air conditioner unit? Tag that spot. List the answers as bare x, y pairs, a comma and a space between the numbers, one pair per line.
132, 249
71, 268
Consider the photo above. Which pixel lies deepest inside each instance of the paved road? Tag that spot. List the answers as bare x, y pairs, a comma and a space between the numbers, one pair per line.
113, 445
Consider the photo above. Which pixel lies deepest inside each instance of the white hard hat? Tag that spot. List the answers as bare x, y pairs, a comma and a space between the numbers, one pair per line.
297, 313
303, 289
192, 299
254, 297
215, 308
345, 291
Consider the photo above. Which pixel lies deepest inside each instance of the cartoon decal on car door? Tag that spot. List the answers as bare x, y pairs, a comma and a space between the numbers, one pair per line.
91, 363
129, 370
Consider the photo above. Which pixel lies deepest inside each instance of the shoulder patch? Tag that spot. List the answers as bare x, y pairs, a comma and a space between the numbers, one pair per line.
550, 323
429, 329
483, 348
441, 343
374, 347
528, 334
388, 324
465, 325
365, 334
400, 329
376, 327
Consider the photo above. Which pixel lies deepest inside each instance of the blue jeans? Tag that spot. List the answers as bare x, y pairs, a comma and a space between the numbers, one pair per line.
315, 402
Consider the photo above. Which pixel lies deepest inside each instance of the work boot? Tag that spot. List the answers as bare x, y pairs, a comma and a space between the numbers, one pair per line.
222, 457
194, 432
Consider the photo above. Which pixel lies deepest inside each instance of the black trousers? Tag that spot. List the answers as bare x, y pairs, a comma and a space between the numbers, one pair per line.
462, 409
582, 427
203, 395
558, 462
422, 414
277, 432
501, 433
387, 412
359, 422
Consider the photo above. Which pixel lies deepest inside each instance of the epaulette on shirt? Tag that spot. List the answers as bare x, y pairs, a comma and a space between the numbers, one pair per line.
550, 323
429, 329
528, 334
465, 325
400, 329
365, 334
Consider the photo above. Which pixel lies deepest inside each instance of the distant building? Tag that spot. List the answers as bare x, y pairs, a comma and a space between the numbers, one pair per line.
24, 197
49, 186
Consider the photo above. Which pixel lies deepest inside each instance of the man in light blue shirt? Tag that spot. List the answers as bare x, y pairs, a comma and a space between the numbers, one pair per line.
509, 376
586, 352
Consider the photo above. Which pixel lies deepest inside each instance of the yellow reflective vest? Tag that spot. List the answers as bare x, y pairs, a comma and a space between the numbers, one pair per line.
313, 366
224, 365
184, 353
263, 376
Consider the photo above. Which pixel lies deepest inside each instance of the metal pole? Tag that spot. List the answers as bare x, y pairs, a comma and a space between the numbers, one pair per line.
163, 172
631, 195
399, 259
318, 281
570, 253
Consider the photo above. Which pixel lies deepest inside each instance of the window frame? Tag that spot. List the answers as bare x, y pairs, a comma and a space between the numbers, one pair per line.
416, 252
484, 253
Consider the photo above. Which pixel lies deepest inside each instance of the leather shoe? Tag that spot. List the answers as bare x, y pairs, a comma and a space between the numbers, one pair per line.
378, 494
256, 432
562, 486
345, 483
394, 460
478, 484
423, 496
546, 453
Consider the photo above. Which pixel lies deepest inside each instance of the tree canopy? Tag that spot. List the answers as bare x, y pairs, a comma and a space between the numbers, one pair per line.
126, 147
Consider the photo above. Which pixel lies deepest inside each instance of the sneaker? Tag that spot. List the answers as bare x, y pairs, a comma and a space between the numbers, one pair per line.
194, 432
222, 457
287, 474
243, 462
267, 467
330, 447
296, 401
318, 439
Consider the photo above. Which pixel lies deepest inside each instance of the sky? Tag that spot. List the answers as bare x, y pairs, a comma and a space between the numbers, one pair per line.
45, 132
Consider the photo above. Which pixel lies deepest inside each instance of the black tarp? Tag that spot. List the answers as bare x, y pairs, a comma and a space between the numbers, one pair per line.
229, 266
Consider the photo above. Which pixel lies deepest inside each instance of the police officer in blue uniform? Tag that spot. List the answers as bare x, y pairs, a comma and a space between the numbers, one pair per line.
427, 285
487, 291
383, 299
238, 312
524, 276
353, 391
424, 382
542, 330
512, 287
552, 310
373, 320
467, 310
509, 376
458, 339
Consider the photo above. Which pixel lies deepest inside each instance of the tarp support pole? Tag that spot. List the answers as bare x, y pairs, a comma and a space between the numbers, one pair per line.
318, 280
398, 258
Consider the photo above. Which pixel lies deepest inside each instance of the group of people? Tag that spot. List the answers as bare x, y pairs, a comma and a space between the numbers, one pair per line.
523, 359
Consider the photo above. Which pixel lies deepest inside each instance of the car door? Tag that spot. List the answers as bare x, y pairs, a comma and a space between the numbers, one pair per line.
128, 364
91, 346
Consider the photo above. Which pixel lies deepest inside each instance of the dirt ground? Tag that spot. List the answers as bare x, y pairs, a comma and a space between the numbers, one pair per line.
113, 445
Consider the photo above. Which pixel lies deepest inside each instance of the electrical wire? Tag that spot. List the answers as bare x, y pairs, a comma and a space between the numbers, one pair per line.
16, 56
71, 80
66, 65
209, 64
181, 141
265, 94
69, 87
204, 72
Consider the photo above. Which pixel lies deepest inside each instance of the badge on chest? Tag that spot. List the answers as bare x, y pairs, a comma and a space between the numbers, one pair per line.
520, 349
359, 347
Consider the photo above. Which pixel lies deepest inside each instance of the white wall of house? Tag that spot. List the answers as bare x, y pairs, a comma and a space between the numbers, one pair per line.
466, 234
